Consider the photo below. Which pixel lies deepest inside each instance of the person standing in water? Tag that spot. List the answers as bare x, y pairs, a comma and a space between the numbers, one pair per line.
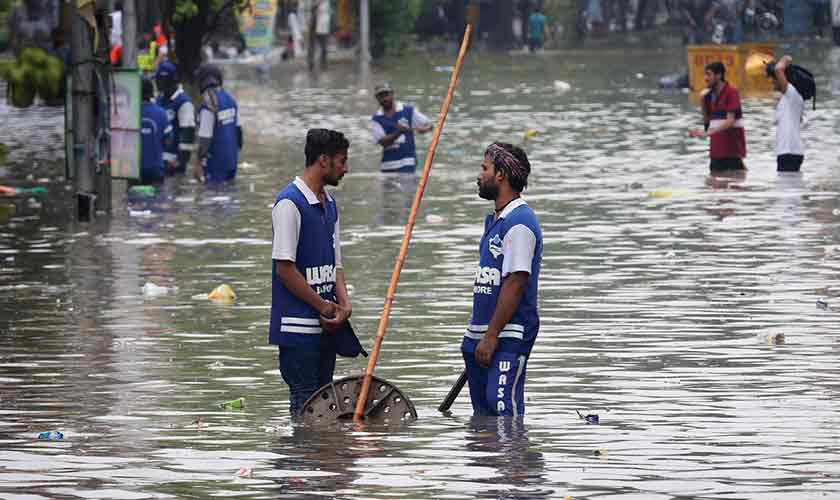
393, 128
790, 153
504, 322
724, 122
309, 298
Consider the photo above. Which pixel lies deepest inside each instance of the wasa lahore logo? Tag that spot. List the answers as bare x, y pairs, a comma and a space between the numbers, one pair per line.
496, 246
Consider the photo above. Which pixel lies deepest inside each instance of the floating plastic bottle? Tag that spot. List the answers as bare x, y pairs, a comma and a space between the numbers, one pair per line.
51, 436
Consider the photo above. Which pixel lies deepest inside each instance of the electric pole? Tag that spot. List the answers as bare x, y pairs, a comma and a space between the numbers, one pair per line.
84, 177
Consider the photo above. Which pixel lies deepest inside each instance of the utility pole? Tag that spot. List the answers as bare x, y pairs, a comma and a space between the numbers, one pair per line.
83, 121
129, 20
364, 31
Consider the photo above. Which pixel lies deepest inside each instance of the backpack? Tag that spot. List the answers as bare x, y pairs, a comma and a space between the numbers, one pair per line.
803, 81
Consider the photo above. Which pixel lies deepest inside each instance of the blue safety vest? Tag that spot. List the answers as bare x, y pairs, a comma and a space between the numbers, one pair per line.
519, 335
154, 130
223, 156
173, 106
294, 322
401, 156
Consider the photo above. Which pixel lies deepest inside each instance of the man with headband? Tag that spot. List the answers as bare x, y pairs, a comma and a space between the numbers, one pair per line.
504, 322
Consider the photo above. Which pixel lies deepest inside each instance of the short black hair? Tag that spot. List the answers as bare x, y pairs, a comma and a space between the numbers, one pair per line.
717, 68
321, 141
517, 183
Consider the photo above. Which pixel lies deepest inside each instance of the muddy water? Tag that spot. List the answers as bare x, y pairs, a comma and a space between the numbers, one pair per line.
681, 309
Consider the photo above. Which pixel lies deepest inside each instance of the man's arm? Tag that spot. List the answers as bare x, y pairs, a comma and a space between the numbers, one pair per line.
383, 139
421, 123
186, 134
726, 125
509, 298
779, 70
206, 124
291, 278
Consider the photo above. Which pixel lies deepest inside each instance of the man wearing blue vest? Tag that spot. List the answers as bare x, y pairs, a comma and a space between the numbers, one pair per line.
155, 135
504, 322
309, 297
181, 113
393, 128
219, 131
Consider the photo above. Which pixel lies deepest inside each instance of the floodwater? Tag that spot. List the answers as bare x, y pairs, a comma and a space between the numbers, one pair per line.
680, 309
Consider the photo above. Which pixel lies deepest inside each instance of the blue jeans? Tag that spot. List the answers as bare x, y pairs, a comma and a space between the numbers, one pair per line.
305, 369
498, 391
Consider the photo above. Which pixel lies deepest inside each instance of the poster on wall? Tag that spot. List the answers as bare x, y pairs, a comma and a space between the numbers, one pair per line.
256, 23
125, 125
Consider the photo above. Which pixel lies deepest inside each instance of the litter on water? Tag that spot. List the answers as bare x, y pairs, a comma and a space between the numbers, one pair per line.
222, 293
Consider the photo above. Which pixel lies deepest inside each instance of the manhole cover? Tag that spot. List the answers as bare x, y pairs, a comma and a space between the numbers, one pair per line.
337, 401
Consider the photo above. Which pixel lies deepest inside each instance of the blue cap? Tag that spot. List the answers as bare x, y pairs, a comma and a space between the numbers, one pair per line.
167, 69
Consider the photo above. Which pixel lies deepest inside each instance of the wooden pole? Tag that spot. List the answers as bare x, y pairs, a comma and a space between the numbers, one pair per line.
358, 415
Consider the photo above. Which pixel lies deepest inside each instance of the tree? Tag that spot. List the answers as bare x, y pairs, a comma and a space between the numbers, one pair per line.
194, 22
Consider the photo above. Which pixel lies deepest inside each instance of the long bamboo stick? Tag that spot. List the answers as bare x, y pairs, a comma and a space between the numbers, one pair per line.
358, 415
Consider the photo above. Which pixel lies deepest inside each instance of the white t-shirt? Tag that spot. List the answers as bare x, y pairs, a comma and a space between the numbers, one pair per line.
285, 218
519, 244
789, 123
116, 28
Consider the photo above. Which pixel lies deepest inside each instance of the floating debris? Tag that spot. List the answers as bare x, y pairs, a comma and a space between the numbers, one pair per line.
51, 436
822, 304
222, 293
152, 290
235, 404
590, 419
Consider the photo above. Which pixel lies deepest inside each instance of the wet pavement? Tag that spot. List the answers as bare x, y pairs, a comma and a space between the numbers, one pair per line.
681, 309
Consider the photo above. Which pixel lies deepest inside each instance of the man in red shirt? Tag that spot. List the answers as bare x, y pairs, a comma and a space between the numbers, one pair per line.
723, 118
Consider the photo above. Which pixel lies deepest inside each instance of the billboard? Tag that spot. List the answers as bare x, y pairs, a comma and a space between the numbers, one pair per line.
125, 124
256, 23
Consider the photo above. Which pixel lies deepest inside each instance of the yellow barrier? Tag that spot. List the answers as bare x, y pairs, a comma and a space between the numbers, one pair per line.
744, 65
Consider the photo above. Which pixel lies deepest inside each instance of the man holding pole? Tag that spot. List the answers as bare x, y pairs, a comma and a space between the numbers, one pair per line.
309, 297
504, 322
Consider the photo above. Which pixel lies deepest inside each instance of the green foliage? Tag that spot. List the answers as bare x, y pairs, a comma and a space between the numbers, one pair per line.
33, 72
187, 9
184, 10
392, 25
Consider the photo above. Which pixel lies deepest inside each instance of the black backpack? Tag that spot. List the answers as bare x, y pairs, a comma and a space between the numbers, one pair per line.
803, 81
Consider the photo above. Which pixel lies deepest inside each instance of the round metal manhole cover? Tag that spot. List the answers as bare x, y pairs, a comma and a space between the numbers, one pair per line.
337, 401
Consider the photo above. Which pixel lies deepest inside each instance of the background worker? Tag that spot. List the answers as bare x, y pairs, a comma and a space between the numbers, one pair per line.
790, 152
393, 128
155, 134
309, 297
219, 132
181, 114
723, 119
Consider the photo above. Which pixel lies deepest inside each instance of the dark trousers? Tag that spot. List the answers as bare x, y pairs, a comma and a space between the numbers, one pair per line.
320, 40
726, 164
789, 163
497, 391
305, 369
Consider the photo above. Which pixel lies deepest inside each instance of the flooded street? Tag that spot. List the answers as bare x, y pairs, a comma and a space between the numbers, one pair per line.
680, 309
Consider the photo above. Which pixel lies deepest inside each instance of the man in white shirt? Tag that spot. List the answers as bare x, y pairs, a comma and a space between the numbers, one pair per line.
789, 149
318, 14
393, 128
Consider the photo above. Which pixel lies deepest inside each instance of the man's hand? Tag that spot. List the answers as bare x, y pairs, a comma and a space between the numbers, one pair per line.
485, 350
342, 314
403, 128
327, 309
696, 132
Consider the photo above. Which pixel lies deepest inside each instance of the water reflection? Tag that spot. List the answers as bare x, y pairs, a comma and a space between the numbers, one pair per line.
663, 301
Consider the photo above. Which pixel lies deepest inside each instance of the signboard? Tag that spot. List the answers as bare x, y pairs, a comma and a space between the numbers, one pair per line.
256, 23
125, 124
